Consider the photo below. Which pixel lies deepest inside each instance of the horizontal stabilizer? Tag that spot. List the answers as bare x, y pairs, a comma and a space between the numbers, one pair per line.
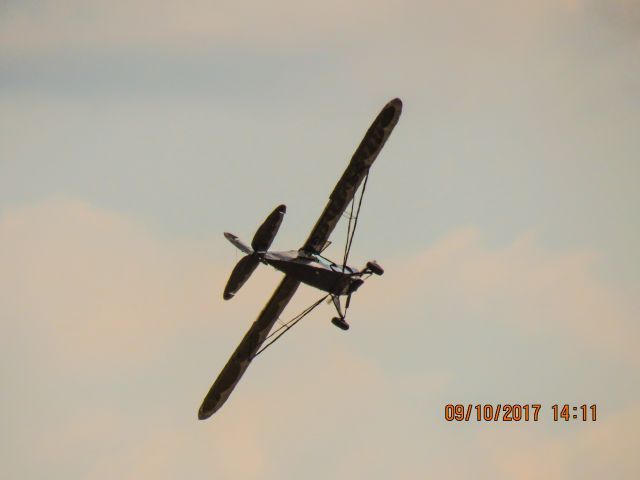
267, 232
240, 274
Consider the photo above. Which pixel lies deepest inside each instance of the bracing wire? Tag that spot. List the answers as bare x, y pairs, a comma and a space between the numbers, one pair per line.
280, 331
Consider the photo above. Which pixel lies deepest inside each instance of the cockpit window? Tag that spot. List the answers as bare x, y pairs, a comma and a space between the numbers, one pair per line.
324, 261
332, 265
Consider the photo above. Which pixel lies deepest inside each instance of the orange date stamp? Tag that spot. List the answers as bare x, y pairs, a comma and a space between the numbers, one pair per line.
516, 412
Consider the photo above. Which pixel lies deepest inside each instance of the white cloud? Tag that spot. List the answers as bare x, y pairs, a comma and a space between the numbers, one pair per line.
98, 25
605, 448
520, 285
108, 304
94, 287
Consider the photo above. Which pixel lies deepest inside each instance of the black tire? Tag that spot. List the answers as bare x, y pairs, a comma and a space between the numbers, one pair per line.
340, 323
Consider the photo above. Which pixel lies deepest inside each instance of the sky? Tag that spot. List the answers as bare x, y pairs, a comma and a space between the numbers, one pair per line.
503, 209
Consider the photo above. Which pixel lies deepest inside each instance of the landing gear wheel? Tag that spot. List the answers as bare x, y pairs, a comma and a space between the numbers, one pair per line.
340, 323
373, 267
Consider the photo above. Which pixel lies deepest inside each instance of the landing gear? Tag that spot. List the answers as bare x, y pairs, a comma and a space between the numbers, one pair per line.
340, 321
374, 268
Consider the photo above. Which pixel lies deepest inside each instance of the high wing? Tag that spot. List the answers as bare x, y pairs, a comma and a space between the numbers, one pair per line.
253, 339
352, 177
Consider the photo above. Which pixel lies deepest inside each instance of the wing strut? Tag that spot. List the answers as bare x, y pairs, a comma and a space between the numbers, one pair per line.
351, 231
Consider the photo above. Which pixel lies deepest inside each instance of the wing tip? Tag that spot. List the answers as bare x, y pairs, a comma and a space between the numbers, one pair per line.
206, 410
203, 415
396, 105
390, 114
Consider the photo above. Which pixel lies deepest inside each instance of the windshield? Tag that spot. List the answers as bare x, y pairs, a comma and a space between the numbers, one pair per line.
332, 265
324, 261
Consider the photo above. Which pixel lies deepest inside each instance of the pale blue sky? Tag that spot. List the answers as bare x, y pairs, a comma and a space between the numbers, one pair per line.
132, 136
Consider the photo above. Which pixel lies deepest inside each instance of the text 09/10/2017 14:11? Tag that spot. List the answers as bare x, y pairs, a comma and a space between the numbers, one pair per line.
517, 412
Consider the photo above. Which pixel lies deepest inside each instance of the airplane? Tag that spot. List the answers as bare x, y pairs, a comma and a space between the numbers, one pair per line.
305, 265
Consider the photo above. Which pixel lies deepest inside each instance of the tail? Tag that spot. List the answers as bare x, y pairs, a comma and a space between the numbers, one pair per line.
259, 245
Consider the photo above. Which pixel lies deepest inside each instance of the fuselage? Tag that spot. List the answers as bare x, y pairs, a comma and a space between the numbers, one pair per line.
315, 270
